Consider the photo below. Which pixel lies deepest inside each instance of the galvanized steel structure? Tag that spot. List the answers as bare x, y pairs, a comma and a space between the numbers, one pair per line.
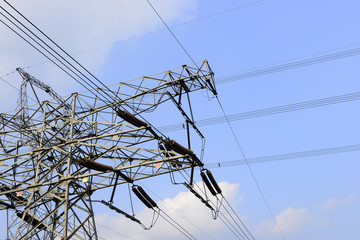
55, 154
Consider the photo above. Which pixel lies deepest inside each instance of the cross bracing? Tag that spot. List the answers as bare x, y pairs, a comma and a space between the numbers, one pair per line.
56, 153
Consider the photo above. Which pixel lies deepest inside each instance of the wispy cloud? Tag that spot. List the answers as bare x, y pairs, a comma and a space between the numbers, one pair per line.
289, 221
78, 26
334, 203
185, 208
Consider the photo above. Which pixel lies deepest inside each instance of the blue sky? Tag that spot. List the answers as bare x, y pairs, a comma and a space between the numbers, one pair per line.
312, 197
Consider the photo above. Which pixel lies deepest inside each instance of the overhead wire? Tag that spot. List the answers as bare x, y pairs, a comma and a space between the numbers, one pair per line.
177, 226
178, 43
225, 220
287, 66
66, 53
50, 48
270, 111
262, 70
22, 37
114, 231
237, 216
169, 219
2, 79
178, 212
237, 224
230, 226
286, 156
172, 33
101, 91
250, 169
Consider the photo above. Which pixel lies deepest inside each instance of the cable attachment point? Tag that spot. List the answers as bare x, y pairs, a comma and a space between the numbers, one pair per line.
191, 189
144, 197
212, 180
112, 207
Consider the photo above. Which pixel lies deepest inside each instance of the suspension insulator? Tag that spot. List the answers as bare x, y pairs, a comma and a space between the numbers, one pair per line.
198, 196
138, 194
120, 211
7, 205
174, 163
212, 180
207, 183
11, 196
167, 154
86, 162
172, 144
130, 118
28, 218
147, 197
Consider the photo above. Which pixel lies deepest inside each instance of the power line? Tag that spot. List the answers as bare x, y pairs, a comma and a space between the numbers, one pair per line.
250, 170
242, 223
286, 156
22, 37
153, 32
287, 66
269, 111
2, 79
228, 124
51, 49
178, 213
168, 28
65, 62
224, 216
178, 226
114, 231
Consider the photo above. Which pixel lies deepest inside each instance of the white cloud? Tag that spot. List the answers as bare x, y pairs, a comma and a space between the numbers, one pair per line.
334, 202
289, 221
185, 208
79, 26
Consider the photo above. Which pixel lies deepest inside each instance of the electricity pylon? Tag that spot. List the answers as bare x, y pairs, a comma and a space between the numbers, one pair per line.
57, 153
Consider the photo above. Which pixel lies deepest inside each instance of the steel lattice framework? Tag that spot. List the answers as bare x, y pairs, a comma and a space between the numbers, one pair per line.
56, 154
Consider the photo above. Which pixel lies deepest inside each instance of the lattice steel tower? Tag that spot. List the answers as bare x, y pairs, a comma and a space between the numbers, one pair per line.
55, 154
